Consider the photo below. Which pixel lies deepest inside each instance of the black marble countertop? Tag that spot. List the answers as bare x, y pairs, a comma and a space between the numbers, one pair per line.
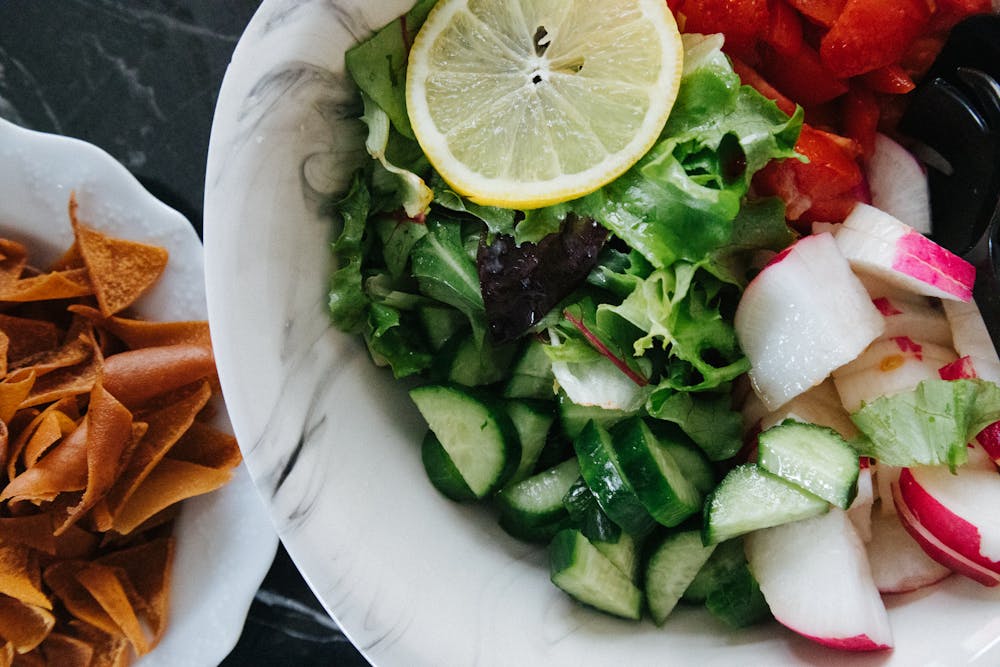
139, 78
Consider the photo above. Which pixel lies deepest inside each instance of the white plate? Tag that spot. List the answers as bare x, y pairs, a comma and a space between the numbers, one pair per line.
225, 542
333, 443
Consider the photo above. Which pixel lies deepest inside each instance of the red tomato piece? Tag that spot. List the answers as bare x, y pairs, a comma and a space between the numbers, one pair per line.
861, 114
950, 12
803, 78
823, 189
891, 80
784, 33
750, 77
870, 34
742, 21
823, 12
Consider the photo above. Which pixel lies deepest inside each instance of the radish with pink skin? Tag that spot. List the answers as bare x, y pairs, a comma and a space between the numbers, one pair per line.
801, 317
960, 512
914, 318
889, 367
816, 579
899, 564
899, 184
877, 243
860, 511
971, 339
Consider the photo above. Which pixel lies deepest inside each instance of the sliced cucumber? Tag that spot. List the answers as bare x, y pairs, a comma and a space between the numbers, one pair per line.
574, 417
724, 561
691, 459
750, 498
531, 376
737, 601
623, 552
599, 467
587, 516
813, 457
532, 509
441, 470
474, 364
671, 568
532, 419
653, 474
477, 439
582, 571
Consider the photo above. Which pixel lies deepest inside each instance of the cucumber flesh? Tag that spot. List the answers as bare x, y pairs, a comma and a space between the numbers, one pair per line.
727, 557
573, 417
671, 568
587, 516
750, 498
479, 440
738, 601
582, 571
441, 470
532, 509
532, 422
813, 457
623, 552
692, 461
531, 376
475, 364
652, 472
599, 467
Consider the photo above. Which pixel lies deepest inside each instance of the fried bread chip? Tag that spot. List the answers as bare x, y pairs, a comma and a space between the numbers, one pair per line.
103, 431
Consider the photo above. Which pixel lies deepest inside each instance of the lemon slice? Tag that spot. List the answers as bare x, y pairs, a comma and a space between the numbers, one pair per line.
526, 103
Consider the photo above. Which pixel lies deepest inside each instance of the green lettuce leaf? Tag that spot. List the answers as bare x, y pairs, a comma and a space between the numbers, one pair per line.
378, 65
708, 419
392, 341
929, 425
347, 300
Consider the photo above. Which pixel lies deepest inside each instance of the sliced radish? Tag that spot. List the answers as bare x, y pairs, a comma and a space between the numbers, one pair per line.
938, 550
899, 564
971, 339
816, 579
886, 476
860, 511
899, 184
875, 242
820, 405
888, 367
959, 510
914, 318
989, 440
804, 315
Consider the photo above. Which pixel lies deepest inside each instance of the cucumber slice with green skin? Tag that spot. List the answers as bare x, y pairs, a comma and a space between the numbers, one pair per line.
581, 570
653, 474
532, 509
531, 376
737, 601
726, 559
599, 467
573, 417
532, 419
813, 457
441, 471
692, 461
623, 552
750, 498
587, 516
474, 365
671, 568
480, 441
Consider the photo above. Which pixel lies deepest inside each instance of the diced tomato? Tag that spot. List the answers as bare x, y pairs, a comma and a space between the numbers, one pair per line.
950, 12
921, 54
803, 78
824, 188
870, 34
742, 21
860, 112
823, 12
784, 33
891, 80
750, 77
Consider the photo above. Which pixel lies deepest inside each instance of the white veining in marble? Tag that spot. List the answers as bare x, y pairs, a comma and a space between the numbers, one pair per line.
225, 542
333, 443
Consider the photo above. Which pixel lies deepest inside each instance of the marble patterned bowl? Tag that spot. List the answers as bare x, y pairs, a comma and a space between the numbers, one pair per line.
333, 442
225, 542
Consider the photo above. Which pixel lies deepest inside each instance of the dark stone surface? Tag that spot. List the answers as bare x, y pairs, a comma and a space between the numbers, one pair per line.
140, 80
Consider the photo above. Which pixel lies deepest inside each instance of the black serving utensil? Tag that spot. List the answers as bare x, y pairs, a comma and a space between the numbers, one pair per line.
954, 118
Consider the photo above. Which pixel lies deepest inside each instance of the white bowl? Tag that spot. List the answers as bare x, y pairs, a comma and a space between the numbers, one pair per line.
333, 443
225, 541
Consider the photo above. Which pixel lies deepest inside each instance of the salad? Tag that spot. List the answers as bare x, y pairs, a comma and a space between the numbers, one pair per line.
722, 365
